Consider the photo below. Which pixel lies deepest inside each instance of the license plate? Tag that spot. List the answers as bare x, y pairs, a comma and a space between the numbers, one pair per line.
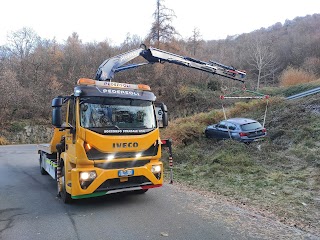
125, 173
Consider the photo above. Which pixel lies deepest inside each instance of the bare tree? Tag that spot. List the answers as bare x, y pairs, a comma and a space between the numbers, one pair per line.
312, 65
73, 62
22, 42
14, 98
262, 59
20, 47
131, 41
195, 40
162, 29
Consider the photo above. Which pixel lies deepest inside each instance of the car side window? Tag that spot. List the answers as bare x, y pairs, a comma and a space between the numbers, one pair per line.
222, 125
232, 126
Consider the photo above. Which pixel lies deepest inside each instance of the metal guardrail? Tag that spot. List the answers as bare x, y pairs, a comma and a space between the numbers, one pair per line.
304, 94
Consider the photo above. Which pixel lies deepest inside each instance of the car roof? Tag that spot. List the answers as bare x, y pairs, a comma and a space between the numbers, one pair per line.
241, 121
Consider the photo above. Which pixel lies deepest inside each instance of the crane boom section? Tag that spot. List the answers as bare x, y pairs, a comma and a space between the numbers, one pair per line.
115, 64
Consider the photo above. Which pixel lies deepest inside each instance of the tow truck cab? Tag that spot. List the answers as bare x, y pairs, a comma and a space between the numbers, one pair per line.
110, 140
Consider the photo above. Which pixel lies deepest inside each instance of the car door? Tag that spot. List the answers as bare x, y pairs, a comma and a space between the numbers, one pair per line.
222, 130
231, 129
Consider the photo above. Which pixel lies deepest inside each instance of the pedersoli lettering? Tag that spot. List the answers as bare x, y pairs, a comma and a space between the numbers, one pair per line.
122, 92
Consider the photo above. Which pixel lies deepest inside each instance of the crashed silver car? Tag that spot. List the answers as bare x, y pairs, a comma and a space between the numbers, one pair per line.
241, 129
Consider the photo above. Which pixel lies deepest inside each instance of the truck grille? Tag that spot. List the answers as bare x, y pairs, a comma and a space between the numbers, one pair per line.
126, 164
95, 154
116, 184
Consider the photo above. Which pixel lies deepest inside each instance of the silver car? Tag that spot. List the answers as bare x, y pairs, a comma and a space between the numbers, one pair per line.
240, 129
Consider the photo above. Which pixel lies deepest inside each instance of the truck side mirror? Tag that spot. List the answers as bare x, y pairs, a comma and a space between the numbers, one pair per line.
56, 112
162, 114
57, 102
165, 119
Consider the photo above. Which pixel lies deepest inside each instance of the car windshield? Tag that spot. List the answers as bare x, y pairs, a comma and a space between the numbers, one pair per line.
251, 126
114, 114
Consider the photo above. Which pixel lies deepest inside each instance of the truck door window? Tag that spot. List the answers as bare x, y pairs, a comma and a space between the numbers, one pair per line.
71, 112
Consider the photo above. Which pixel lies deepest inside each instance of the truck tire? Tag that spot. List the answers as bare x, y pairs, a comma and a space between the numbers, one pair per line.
42, 170
65, 196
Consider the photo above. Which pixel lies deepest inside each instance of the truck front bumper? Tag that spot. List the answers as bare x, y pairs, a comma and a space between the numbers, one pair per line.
108, 181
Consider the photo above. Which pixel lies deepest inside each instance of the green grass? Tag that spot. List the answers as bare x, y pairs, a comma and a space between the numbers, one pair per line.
280, 174
282, 182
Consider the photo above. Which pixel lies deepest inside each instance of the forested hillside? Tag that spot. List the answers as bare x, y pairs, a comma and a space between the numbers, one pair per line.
33, 70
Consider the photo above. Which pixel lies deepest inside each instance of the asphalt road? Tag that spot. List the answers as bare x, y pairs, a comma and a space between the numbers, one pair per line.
29, 209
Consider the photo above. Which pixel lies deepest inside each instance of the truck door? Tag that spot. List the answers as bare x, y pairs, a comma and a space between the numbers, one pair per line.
71, 131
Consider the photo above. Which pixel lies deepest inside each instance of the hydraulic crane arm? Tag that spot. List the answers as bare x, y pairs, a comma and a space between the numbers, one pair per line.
115, 64
110, 66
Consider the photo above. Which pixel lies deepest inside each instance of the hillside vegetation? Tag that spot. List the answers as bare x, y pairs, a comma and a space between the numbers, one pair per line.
280, 175
33, 70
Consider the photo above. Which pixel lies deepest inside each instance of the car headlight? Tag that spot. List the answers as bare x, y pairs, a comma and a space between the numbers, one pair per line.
156, 169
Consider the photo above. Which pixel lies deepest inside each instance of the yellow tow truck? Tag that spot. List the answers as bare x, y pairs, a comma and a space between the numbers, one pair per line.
109, 140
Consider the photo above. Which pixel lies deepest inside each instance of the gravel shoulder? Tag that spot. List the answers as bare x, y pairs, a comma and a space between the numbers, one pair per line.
249, 221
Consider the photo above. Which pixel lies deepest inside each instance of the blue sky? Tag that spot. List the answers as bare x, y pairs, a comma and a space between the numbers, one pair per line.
97, 20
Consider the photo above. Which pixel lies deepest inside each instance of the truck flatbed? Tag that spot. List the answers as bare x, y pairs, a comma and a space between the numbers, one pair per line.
45, 147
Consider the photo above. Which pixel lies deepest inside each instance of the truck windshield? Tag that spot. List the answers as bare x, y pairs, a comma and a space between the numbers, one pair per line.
116, 115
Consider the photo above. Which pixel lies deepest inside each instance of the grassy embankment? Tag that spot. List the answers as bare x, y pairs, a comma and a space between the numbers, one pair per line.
280, 174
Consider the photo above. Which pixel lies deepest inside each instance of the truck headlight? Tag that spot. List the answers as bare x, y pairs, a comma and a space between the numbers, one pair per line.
88, 176
156, 169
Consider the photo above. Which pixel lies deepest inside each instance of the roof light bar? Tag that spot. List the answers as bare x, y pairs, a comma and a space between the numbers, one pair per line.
87, 81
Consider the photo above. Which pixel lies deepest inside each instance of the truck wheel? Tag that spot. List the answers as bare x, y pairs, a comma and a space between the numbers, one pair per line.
42, 170
65, 196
